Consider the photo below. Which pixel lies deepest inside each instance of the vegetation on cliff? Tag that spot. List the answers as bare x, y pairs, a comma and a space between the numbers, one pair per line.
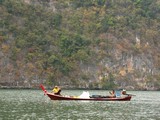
79, 43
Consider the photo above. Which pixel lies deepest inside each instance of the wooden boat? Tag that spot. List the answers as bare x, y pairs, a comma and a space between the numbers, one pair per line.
52, 96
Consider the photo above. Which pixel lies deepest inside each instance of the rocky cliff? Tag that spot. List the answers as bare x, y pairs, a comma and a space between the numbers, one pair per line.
100, 44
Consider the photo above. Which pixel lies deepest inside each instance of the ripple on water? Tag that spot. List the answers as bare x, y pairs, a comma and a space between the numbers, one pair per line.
32, 104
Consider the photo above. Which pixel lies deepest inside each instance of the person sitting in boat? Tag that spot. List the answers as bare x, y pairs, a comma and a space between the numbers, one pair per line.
112, 93
56, 90
124, 93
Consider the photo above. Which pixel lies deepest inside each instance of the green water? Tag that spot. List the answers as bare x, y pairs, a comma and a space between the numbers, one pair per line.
33, 105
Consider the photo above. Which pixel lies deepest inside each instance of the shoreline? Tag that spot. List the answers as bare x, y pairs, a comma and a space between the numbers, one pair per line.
50, 88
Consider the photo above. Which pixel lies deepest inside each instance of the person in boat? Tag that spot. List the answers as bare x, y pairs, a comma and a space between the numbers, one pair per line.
124, 93
56, 90
112, 93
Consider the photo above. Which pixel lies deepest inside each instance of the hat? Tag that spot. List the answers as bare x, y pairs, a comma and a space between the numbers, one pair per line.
123, 90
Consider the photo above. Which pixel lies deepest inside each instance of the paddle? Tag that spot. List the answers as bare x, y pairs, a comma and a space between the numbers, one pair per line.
44, 90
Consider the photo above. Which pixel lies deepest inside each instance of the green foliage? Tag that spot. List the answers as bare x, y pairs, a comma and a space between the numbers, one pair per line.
108, 82
85, 3
107, 23
63, 38
70, 45
60, 64
56, 20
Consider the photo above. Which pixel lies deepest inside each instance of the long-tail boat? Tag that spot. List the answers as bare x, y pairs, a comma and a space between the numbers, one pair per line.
53, 96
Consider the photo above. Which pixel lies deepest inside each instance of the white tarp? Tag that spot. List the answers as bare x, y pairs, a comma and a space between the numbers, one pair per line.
85, 94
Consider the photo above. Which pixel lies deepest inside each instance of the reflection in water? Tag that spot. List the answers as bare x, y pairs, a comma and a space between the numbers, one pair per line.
33, 105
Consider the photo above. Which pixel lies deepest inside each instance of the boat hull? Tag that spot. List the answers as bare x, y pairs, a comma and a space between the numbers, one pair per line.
58, 97
52, 96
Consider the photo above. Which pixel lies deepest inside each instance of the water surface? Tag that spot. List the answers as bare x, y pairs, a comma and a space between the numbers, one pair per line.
33, 105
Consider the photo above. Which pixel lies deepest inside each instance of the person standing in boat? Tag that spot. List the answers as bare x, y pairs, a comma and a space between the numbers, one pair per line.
112, 93
56, 90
